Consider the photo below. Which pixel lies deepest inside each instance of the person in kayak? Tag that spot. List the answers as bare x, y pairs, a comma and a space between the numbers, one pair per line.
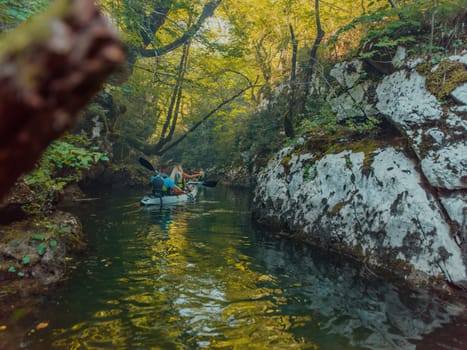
170, 187
163, 185
179, 176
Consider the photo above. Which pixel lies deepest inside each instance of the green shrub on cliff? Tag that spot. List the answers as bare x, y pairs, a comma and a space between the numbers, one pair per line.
62, 163
424, 26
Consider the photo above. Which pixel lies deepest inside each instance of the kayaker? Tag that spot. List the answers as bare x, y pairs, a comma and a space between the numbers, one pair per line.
157, 182
179, 176
170, 187
162, 185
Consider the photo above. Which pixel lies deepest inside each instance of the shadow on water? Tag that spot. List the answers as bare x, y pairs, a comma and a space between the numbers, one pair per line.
199, 276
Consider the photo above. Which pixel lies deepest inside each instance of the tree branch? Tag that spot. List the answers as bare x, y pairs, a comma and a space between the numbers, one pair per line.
207, 12
289, 117
313, 53
49, 68
153, 22
196, 125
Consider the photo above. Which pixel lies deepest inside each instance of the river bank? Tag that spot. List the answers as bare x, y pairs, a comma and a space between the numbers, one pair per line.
40, 238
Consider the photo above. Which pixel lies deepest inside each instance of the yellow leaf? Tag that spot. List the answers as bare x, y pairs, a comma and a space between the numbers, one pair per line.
42, 325
2, 327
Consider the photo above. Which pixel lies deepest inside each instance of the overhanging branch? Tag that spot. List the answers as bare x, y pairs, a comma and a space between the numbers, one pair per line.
206, 117
45, 79
207, 12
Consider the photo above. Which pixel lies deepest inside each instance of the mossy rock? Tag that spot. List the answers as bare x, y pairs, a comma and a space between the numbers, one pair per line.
37, 248
446, 78
337, 142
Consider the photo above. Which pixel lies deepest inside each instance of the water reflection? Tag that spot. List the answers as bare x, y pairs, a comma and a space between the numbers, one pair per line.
199, 276
367, 313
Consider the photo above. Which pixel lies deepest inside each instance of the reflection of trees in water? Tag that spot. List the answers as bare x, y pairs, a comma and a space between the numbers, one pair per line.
370, 313
213, 287
200, 277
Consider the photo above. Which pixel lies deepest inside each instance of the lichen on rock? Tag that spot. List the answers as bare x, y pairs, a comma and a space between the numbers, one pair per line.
395, 201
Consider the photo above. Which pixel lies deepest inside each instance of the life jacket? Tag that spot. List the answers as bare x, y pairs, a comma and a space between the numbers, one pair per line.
179, 180
177, 176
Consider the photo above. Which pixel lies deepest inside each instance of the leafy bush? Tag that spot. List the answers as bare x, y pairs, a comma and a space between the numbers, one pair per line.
424, 26
13, 13
61, 164
319, 116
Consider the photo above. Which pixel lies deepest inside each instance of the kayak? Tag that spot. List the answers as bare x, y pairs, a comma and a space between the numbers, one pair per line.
151, 199
208, 183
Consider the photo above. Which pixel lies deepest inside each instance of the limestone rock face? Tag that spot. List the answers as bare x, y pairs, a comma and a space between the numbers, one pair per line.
437, 138
460, 94
403, 97
401, 206
351, 98
384, 212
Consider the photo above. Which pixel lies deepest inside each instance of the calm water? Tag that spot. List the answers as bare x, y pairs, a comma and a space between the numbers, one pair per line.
199, 276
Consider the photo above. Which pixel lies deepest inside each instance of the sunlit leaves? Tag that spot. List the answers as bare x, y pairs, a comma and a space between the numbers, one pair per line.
62, 163
14, 12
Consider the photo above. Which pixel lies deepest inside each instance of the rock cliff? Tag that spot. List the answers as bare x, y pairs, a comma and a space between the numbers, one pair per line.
397, 199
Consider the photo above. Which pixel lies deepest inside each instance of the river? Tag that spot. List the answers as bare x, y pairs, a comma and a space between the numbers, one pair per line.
201, 276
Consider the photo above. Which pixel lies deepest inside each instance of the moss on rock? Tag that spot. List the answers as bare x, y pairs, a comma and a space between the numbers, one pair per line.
37, 249
447, 77
337, 142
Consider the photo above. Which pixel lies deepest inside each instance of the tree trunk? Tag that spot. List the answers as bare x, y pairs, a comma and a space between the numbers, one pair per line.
207, 12
174, 107
313, 54
49, 68
155, 149
196, 125
289, 117
393, 4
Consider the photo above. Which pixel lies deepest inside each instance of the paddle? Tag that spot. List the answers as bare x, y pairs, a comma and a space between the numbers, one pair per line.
209, 183
146, 164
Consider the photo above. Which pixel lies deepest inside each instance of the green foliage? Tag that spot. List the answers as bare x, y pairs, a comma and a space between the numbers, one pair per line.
409, 25
41, 248
319, 116
65, 229
62, 163
38, 237
362, 127
14, 12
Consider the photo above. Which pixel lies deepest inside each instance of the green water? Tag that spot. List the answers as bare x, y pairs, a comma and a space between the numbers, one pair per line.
200, 276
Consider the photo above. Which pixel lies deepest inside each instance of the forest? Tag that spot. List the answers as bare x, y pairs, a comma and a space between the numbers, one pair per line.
272, 97
216, 84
